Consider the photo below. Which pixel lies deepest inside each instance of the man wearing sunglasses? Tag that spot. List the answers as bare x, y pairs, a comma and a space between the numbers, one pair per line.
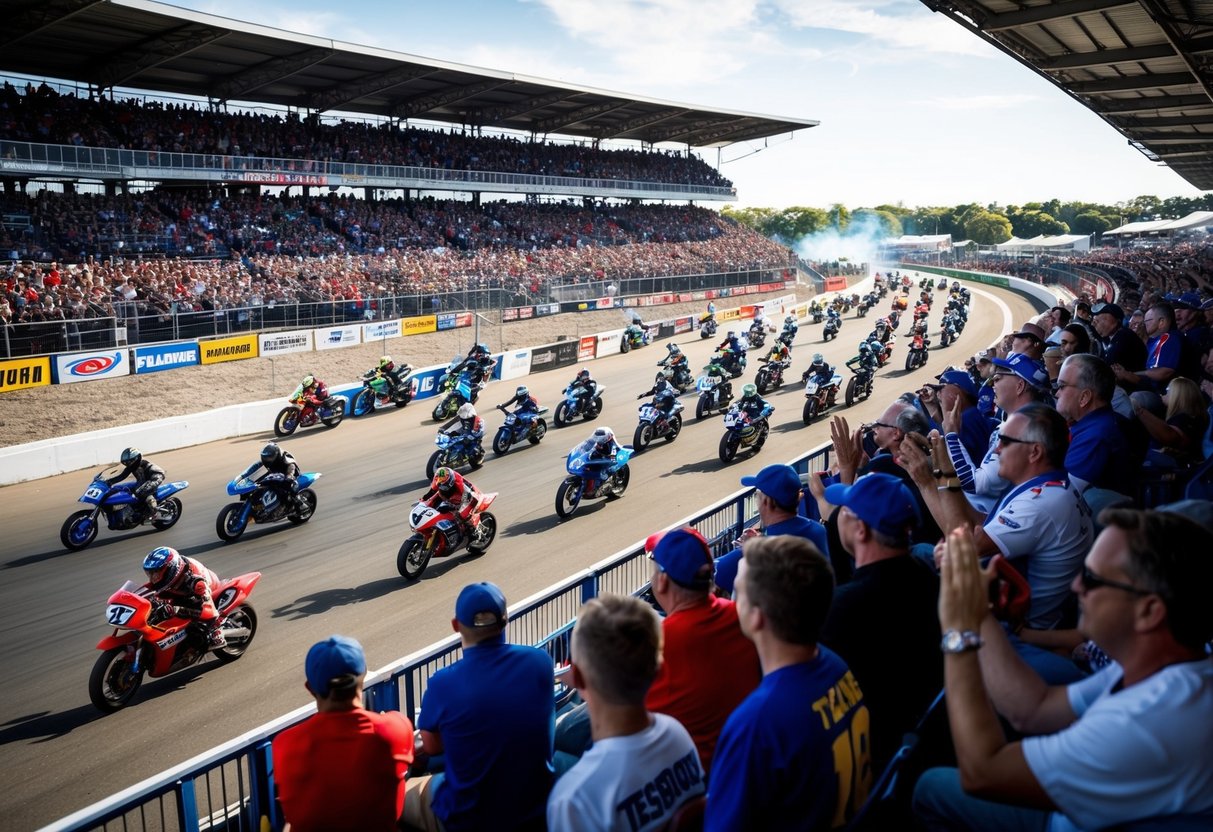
1132, 742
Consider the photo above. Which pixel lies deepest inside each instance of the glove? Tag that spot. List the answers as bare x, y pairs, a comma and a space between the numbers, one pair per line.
641, 396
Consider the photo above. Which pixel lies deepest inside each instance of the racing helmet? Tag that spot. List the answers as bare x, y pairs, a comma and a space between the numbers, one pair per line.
818, 358
467, 411
270, 453
749, 392
730, 334
673, 349
603, 437
307, 382
864, 347
131, 456
584, 375
789, 320
385, 363
522, 391
482, 348
164, 567
444, 481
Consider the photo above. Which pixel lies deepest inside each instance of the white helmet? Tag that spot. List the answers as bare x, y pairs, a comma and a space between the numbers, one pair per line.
603, 436
467, 411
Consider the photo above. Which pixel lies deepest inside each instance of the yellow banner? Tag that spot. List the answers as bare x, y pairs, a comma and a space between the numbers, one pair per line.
729, 314
23, 373
228, 349
417, 326
801, 311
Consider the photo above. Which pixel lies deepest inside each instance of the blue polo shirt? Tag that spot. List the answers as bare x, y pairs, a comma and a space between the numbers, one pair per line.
811, 530
1163, 350
495, 711
1099, 453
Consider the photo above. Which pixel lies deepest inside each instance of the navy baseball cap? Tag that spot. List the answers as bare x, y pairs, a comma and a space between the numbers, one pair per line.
684, 555
779, 482
481, 605
1188, 300
1027, 368
961, 379
1109, 309
331, 662
880, 500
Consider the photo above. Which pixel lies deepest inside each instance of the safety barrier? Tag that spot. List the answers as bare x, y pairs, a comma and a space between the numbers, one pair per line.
231, 786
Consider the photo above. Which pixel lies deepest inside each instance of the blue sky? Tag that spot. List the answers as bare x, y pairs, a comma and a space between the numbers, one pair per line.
913, 109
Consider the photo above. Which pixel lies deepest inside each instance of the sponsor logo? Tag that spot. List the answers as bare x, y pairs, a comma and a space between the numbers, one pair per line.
336, 337
427, 384
165, 359
93, 365
231, 349
14, 378
538, 359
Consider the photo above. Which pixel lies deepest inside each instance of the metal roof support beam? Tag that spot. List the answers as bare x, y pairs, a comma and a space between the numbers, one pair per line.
1047, 13
1163, 121
1103, 57
1175, 138
1134, 82
1162, 16
39, 16
505, 112
554, 123
267, 72
676, 131
1151, 104
335, 96
158, 50
722, 132
640, 122
424, 103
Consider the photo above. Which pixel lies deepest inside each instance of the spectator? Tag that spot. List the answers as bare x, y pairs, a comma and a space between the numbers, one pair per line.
1074, 339
344, 767
956, 389
1134, 741
795, 753
1175, 437
1163, 351
1099, 454
643, 765
1029, 341
1119, 345
492, 715
883, 622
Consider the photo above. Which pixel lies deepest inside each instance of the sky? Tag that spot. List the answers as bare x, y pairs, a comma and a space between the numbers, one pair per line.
913, 109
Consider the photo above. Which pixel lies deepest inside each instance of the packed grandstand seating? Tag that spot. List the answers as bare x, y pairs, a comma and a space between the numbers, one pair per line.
43, 115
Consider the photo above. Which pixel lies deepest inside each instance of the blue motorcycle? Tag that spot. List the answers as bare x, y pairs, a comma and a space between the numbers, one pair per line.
655, 424
454, 451
122, 510
519, 426
260, 502
590, 478
579, 402
459, 390
740, 431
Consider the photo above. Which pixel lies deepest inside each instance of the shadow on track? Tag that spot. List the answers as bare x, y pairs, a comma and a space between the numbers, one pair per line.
546, 522
99, 543
328, 599
416, 486
703, 466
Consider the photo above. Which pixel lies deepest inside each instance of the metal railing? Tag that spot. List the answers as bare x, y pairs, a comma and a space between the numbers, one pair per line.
64, 160
231, 786
21, 340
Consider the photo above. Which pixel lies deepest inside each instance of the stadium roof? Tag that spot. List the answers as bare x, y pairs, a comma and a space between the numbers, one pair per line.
152, 46
1144, 66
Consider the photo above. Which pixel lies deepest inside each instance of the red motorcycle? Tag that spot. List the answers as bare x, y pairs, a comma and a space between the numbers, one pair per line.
438, 532
303, 412
886, 351
148, 639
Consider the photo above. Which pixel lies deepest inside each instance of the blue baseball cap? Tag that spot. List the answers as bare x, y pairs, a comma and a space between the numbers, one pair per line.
481, 605
961, 379
1188, 300
331, 660
1027, 368
880, 500
779, 482
685, 556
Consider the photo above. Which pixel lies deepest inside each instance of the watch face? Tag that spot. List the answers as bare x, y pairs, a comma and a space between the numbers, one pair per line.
953, 641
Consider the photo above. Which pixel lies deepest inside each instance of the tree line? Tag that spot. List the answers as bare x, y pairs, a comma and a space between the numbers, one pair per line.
983, 224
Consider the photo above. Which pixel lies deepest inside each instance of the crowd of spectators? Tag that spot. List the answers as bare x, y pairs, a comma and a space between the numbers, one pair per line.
43, 115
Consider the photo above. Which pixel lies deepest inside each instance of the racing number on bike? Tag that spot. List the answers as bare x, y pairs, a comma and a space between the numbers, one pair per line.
853, 765
118, 614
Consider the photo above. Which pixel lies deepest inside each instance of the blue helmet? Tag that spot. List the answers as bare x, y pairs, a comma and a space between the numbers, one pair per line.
164, 566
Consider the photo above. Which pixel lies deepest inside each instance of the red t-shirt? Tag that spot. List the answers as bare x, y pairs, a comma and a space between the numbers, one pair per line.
344, 770
709, 667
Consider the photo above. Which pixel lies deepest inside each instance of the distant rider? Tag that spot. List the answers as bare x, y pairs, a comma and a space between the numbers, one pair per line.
527, 404
470, 424
790, 328
664, 396
277, 461
723, 384
147, 474
187, 590
820, 370
779, 353
387, 369
584, 381
751, 404
449, 486
478, 364
677, 362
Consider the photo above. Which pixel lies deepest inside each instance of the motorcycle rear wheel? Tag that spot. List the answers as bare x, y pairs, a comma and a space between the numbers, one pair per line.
79, 530
675, 428
109, 687
538, 431
593, 408
488, 533
334, 420
229, 525
308, 496
412, 558
173, 507
244, 617
622, 477
568, 497
287, 421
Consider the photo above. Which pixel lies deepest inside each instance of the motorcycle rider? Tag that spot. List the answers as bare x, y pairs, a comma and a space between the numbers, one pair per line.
751, 404
868, 362
664, 396
832, 316
312, 392
470, 424
277, 461
790, 327
186, 588
147, 474
528, 405
779, 353
732, 348
724, 384
585, 381
605, 446
478, 364
449, 486
388, 369
820, 370
676, 361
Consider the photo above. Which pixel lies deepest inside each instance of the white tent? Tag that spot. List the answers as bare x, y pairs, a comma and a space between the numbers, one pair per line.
1059, 242
1197, 219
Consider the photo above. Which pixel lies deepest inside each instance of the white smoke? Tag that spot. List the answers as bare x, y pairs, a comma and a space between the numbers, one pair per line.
859, 243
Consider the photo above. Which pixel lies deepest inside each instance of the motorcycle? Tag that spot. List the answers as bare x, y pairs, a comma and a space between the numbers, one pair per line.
438, 532
378, 391
259, 503
654, 424
707, 326
121, 508
831, 328
147, 639
579, 402
818, 315
948, 334
518, 426
303, 414
819, 397
770, 375
916, 354
454, 452
860, 385
862, 308
787, 336
740, 431
712, 394
590, 478
680, 377
757, 335
458, 393
732, 362
634, 336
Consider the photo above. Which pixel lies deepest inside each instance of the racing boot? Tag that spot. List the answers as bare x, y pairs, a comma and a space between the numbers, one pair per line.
215, 640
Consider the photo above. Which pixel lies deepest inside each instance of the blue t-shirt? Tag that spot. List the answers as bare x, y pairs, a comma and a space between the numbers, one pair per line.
811, 530
1163, 350
796, 754
1099, 453
495, 711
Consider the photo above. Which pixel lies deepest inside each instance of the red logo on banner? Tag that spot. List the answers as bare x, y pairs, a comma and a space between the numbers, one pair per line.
587, 348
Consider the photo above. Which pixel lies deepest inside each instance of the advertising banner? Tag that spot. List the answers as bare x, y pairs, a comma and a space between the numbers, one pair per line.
835, 284
380, 330
547, 309
608, 342
90, 366
747, 311
276, 178
280, 343
420, 325
515, 364
665, 329
728, 314
24, 373
425, 381
586, 349
335, 337
526, 312
770, 287
228, 349
445, 321
682, 325
566, 353
463, 319
543, 358
167, 357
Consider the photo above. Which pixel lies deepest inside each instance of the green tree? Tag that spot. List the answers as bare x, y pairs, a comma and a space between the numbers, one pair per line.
1033, 223
887, 222
753, 218
1143, 208
839, 216
797, 222
987, 228
1090, 223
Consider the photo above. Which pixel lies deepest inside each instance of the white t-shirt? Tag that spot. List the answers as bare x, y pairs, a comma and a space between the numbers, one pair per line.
631, 783
1143, 752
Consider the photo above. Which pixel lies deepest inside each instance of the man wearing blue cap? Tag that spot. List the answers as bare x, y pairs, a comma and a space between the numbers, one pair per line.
344, 767
1119, 345
778, 493
957, 390
883, 622
492, 715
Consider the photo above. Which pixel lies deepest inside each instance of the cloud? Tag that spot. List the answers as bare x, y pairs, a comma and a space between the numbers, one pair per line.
893, 25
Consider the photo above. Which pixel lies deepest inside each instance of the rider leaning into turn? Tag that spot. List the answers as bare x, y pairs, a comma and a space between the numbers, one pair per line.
387, 368
469, 421
147, 474
277, 461
449, 486
312, 391
525, 401
187, 588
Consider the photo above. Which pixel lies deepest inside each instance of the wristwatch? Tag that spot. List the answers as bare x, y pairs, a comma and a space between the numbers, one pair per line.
955, 641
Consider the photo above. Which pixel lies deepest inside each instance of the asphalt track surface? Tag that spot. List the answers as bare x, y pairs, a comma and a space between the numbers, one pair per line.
337, 573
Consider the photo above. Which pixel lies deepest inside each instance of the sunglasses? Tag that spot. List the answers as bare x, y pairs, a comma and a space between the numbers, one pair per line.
1091, 581
1003, 439
881, 425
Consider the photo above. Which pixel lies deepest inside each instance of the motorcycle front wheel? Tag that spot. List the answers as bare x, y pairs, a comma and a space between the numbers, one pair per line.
412, 558
502, 441
487, 532
625, 345
111, 685
701, 407
562, 414
170, 515
728, 448
79, 530
568, 497
364, 403
436, 459
810, 410
287, 421
231, 523
852, 387
644, 435
242, 618
308, 497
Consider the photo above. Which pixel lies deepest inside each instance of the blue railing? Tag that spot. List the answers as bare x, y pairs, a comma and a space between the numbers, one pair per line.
231, 787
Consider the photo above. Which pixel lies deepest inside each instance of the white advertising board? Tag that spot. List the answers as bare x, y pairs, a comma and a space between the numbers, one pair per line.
332, 337
280, 343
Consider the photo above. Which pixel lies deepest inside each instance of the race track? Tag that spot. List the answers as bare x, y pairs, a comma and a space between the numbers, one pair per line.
337, 573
